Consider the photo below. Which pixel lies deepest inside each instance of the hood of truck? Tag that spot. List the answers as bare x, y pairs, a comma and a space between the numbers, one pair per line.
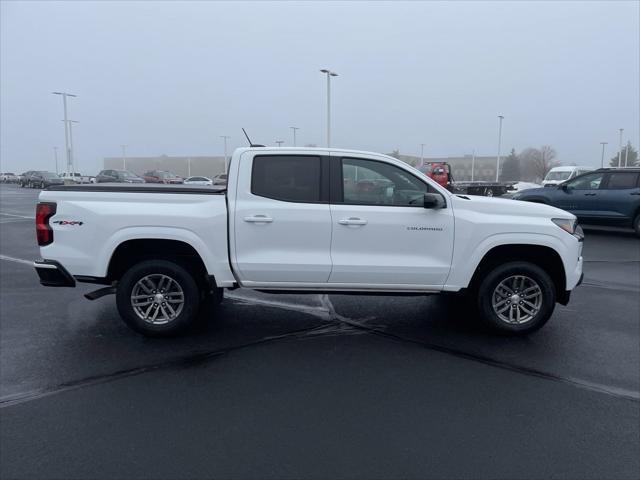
504, 206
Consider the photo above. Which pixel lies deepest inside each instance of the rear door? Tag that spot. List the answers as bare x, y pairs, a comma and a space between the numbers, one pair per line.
382, 234
619, 197
282, 222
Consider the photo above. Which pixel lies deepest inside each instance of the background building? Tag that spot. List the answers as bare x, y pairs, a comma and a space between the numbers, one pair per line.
183, 166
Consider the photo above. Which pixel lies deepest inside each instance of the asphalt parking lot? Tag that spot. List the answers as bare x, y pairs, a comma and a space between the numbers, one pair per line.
317, 386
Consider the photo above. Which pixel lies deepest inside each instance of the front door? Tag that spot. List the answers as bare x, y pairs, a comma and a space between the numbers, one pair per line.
581, 196
382, 234
282, 222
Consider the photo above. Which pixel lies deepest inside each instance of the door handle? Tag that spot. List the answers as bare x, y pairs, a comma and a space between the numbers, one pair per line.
352, 221
589, 194
258, 219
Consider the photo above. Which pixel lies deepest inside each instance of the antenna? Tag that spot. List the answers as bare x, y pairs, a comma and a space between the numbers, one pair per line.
251, 144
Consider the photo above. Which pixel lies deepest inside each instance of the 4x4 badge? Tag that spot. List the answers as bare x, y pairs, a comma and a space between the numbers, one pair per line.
68, 222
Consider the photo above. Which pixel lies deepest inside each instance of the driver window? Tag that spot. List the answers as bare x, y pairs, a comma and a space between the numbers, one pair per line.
368, 182
587, 182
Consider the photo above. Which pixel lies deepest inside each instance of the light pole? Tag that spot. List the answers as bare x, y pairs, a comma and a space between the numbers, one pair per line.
279, 142
422, 154
66, 131
620, 149
294, 134
473, 163
602, 158
225, 151
499, 145
55, 155
329, 74
124, 156
71, 122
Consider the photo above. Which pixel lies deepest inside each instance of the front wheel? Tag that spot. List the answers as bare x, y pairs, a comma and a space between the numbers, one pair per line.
516, 298
158, 298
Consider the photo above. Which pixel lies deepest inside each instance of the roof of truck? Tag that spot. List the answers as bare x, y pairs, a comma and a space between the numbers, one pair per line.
311, 149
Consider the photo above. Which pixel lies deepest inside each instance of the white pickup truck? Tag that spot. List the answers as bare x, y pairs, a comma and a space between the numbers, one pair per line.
306, 221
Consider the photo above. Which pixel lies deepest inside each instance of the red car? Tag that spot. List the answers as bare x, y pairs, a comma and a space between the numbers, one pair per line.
161, 176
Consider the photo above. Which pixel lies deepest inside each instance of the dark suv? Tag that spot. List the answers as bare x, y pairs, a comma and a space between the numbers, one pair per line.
607, 196
44, 180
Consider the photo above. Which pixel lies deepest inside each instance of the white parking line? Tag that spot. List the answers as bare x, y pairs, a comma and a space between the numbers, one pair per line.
14, 220
17, 216
17, 260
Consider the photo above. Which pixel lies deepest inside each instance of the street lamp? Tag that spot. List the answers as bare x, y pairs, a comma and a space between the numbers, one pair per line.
620, 149
71, 122
55, 155
329, 74
422, 154
124, 156
499, 145
225, 151
602, 158
294, 134
66, 130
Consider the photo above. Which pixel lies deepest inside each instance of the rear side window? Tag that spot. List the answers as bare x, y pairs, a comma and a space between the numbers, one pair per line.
621, 180
290, 178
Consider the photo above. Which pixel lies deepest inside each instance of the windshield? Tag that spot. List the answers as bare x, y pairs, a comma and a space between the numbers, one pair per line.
558, 175
126, 174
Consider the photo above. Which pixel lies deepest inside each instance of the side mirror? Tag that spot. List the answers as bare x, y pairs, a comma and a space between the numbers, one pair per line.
433, 200
565, 187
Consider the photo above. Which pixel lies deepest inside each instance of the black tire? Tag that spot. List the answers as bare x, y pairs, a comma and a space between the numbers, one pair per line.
636, 225
486, 293
181, 276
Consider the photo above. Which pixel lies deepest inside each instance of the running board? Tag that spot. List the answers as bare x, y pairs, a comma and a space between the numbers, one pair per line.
101, 292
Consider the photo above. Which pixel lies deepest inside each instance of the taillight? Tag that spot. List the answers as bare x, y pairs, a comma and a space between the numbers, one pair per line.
44, 233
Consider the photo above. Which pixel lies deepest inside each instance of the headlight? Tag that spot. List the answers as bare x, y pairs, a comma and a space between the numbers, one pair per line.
568, 225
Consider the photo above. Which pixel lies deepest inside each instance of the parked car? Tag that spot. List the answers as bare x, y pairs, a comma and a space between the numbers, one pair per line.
75, 177
161, 176
9, 177
285, 224
607, 196
44, 180
557, 175
118, 176
220, 179
24, 178
521, 186
198, 181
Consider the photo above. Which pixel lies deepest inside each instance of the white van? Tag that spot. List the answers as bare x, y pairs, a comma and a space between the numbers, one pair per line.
557, 175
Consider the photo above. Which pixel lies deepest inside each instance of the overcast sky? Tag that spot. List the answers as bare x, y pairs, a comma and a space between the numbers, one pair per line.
170, 78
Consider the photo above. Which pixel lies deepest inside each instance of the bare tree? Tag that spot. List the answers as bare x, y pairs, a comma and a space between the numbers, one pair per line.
536, 163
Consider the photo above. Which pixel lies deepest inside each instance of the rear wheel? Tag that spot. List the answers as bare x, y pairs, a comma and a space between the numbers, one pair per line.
516, 298
158, 298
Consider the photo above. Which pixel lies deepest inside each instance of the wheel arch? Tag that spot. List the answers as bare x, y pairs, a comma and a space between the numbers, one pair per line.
543, 256
132, 251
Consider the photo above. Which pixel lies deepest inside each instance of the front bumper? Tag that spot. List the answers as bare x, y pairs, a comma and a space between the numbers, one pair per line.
52, 274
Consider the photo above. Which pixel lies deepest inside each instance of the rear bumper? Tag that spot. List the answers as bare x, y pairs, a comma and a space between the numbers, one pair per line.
52, 274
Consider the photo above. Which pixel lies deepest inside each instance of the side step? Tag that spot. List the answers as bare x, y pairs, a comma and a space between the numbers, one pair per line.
101, 292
